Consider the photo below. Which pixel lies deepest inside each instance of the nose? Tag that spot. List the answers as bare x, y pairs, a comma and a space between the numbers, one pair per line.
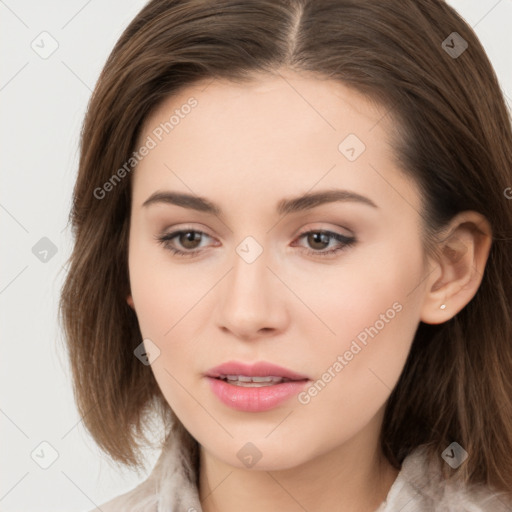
252, 300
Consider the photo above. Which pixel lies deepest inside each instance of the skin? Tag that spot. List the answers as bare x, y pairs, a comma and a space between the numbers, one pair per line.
245, 148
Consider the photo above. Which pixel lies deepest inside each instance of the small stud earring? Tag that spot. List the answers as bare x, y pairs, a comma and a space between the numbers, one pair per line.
442, 306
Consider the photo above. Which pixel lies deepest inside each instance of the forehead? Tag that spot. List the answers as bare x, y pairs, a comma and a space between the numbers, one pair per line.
286, 99
263, 135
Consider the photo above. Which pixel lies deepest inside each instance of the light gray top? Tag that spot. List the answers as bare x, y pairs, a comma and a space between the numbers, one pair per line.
417, 488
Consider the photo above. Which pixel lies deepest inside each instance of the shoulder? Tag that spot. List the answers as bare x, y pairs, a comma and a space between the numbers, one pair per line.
143, 498
420, 488
109, 506
170, 485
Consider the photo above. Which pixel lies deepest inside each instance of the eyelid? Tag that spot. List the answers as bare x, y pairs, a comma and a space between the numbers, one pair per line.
321, 228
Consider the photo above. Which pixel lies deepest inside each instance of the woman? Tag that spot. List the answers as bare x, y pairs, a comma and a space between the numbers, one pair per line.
293, 246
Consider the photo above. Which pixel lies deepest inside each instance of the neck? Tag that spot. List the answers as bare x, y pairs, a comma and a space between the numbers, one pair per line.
352, 477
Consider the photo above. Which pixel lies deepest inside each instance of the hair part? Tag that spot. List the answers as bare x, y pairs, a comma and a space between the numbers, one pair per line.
453, 137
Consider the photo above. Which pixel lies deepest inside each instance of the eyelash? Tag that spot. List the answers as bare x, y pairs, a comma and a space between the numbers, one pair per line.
346, 241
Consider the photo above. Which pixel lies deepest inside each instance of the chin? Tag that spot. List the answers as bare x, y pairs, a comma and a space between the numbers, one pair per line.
260, 454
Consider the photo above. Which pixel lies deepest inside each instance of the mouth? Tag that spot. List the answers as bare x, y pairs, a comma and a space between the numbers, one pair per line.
253, 382
254, 388
257, 374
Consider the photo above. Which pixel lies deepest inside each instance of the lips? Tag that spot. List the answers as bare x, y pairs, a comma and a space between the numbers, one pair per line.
261, 369
254, 388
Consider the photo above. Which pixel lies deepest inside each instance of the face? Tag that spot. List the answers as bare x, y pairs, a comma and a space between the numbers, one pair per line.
328, 288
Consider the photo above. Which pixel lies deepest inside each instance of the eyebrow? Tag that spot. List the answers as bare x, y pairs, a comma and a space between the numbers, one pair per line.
285, 206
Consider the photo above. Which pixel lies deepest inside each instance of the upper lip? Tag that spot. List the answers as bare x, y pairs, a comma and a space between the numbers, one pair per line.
260, 369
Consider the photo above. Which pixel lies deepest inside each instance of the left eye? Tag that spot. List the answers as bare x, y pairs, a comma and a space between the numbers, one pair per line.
319, 240
323, 238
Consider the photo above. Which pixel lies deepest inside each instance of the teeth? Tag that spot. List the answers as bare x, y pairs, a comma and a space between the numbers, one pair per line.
266, 379
244, 380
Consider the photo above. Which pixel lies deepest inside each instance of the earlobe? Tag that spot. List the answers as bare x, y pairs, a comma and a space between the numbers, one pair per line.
129, 300
460, 266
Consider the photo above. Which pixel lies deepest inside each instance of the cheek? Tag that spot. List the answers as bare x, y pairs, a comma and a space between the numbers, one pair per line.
173, 304
164, 298
362, 293
373, 309
164, 292
356, 374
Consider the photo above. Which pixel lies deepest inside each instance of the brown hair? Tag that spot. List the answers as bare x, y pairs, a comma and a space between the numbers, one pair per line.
455, 140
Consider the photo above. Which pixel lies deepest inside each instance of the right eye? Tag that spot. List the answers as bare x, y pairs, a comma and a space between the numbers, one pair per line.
187, 238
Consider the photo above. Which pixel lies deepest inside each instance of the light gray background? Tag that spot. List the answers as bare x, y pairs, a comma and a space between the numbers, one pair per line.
43, 102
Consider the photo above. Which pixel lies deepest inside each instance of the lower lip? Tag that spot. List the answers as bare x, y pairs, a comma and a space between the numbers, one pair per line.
255, 399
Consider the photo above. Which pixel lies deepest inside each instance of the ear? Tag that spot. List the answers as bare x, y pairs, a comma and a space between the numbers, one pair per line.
129, 299
458, 268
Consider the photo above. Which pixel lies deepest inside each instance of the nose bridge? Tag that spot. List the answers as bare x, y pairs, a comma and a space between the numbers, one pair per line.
249, 277
249, 302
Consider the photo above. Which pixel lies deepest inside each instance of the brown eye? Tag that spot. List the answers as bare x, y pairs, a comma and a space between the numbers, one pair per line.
189, 239
318, 242
183, 242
